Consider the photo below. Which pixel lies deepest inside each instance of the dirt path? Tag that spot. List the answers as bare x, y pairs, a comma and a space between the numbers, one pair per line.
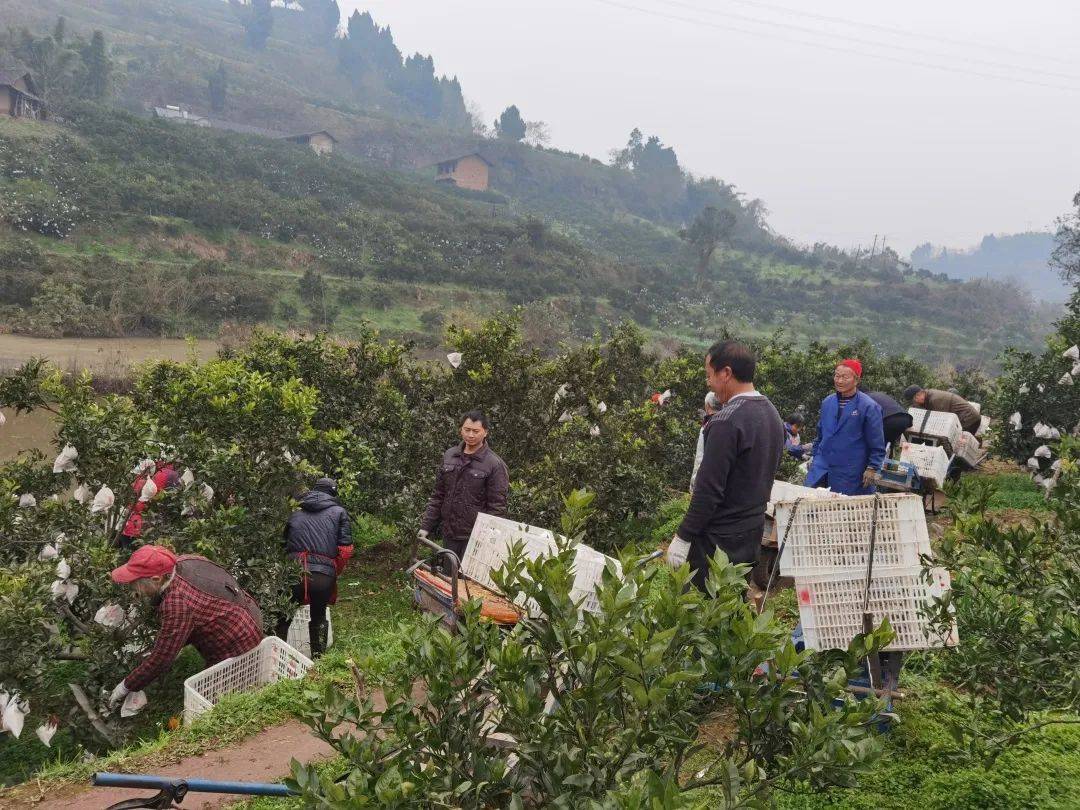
262, 758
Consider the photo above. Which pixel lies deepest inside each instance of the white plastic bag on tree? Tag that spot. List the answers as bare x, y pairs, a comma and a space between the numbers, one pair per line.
110, 615
1042, 431
63, 570
1065, 379
134, 703
65, 462
14, 715
1023, 389
454, 358
1014, 421
1033, 464
48, 552
1073, 352
45, 732
188, 478
1042, 451
103, 501
565, 416
64, 589
149, 490
594, 431
562, 392
82, 494
143, 467
208, 492
27, 501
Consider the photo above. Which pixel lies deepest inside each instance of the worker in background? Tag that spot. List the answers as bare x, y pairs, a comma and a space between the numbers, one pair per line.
850, 445
164, 476
197, 602
712, 405
743, 445
793, 443
318, 535
470, 480
894, 418
934, 399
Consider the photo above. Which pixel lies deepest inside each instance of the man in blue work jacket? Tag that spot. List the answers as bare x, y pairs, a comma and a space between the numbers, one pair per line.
850, 445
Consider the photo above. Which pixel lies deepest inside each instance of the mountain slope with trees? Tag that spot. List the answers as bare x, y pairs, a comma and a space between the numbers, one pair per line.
581, 242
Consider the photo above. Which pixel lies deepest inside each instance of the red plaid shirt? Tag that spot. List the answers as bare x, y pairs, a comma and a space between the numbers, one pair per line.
217, 628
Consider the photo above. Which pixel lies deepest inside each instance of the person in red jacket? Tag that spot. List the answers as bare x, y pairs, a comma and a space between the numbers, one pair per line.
164, 477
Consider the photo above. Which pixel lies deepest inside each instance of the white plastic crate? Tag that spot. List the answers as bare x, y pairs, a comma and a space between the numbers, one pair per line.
298, 636
830, 536
489, 546
273, 660
968, 450
977, 406
932, 463
783, 491
830, 609
940, 426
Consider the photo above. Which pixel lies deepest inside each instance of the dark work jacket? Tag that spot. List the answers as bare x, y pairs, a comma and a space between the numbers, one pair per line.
744, 441
319, 527
466, 485
889, 406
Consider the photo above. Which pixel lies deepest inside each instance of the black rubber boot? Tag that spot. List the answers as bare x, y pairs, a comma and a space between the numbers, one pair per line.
318, 638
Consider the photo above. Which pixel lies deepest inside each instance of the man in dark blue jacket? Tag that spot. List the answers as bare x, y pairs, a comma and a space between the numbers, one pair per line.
850, 445
318, 535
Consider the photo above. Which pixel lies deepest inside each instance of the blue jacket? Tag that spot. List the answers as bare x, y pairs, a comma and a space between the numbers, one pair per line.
846, 445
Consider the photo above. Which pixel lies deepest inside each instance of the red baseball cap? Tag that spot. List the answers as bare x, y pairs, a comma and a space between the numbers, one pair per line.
853, 364
147, 561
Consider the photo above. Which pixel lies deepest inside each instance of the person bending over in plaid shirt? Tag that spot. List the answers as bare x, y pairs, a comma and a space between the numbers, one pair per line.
198, 603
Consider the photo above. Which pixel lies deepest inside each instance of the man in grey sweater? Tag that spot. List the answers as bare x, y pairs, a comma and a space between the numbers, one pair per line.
743, 445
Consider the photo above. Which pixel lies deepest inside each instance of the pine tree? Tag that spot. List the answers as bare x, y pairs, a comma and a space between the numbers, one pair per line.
217, 84
510, 124
259, 23
96, 68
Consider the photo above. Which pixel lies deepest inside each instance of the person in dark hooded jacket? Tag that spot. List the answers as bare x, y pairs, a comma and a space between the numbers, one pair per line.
318, 535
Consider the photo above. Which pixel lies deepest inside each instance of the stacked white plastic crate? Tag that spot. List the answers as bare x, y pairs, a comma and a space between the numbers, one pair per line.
826, 550
938, 427
489, 546
930, 461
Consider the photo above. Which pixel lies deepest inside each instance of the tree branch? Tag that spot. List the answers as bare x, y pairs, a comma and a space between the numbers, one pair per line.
95, 719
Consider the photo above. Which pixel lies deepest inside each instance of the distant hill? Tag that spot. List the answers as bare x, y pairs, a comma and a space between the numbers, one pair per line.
1020, 257
112, 208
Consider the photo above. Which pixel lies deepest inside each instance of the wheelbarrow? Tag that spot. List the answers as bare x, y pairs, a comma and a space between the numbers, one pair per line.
440, 588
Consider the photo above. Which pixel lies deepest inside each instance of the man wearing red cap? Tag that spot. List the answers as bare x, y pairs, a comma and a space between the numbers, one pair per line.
197, 601
850, 445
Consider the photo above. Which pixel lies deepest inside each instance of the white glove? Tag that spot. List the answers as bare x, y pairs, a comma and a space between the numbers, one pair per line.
677, 551
119, 693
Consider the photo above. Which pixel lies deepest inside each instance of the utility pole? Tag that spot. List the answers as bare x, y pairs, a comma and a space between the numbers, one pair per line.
873, 250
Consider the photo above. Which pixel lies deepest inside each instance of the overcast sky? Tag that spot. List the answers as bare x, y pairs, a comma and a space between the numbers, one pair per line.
836, 126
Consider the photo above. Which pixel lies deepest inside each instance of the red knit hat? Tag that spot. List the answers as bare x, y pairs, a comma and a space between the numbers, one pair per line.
147, 561
853, 364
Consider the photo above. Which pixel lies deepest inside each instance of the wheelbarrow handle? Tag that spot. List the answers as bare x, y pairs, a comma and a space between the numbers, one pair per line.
437, 552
